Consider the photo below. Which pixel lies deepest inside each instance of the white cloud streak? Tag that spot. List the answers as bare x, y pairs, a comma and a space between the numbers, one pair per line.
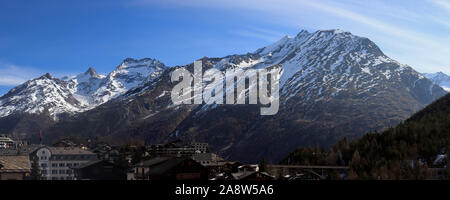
444, 4
427, 50
12, 75
259, 33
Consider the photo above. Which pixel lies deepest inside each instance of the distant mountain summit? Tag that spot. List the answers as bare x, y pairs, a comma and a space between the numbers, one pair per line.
43, 94
441, 79
333, 84
79, 93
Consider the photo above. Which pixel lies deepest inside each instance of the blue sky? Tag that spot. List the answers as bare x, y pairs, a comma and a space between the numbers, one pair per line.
66, 37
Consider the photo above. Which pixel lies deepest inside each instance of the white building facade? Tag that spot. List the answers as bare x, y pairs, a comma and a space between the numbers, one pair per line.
56, 163
5, 142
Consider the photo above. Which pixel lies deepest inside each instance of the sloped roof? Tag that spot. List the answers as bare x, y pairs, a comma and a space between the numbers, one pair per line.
243, 175
69, 151
88, 164
160, 165
153, 161
24, 150
207, 157
5, 139
165, 166
15, 164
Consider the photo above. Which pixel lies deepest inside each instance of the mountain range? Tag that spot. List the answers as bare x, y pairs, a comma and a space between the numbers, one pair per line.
333, 84
440, 79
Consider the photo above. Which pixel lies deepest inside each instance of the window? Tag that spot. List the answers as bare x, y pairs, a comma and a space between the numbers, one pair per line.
69, 164
43, 152
43, 165
54, 165
54, 171
43, 171
61, 164
69, 171
62, 171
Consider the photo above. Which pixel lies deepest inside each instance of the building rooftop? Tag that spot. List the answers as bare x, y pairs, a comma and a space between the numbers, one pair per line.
243, 175
152, 162
165, 166
69, 151
23, 150
90, 163
5, 139
160, 165
15, 164
207, 156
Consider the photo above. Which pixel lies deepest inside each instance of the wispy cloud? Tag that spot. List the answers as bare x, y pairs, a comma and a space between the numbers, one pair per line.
12, 75
440, 21
425, 46
259, 33
414, 32
427, 51
444, 4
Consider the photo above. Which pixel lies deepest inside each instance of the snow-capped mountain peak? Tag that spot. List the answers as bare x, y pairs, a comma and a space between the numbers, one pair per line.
440, 79
78, 93
87, 76
92, 89
306, 50
46, 76
326, 63
131, 73
133, 63
92, 73
44, 94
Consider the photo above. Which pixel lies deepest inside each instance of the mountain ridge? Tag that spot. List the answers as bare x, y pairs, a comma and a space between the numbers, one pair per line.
81, 92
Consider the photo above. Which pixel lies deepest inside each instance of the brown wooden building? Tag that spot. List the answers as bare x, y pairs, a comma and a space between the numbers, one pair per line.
170, 168
14, 167
100, 170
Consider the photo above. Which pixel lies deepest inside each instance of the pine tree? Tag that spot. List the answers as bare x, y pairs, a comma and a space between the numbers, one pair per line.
35, 170
263, 165
137, 156
356, 159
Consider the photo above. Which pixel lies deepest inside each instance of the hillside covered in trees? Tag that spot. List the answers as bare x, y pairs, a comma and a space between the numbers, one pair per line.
415, 149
